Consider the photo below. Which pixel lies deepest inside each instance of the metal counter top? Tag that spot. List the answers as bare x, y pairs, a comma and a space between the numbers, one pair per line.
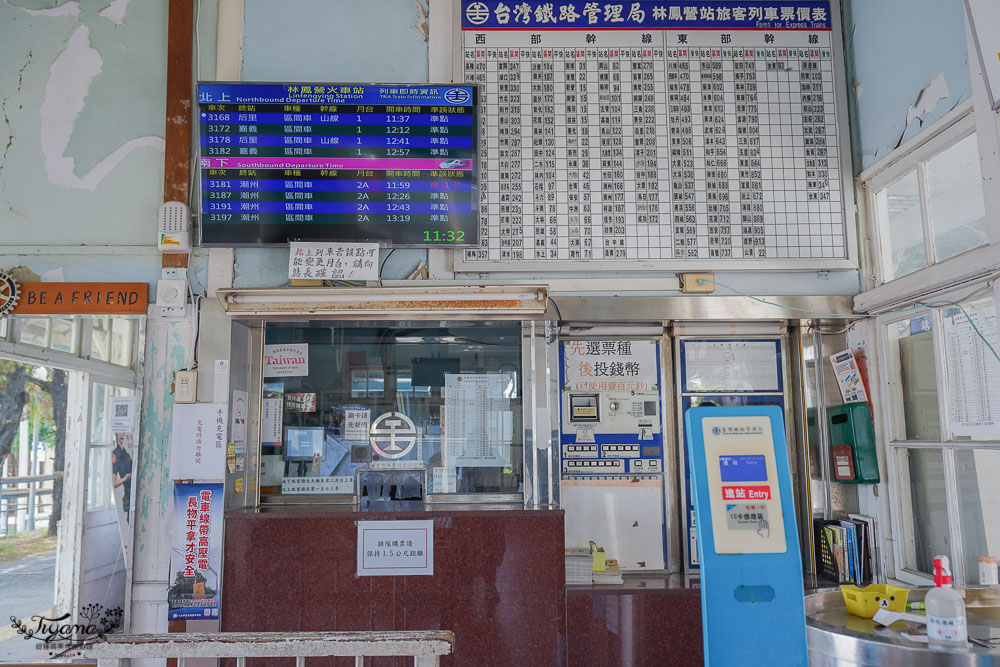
837, 637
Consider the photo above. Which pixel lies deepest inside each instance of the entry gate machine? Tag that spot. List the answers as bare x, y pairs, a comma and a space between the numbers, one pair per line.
752, 600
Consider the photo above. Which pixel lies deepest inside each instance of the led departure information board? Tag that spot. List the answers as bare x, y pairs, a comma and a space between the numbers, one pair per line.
287, 162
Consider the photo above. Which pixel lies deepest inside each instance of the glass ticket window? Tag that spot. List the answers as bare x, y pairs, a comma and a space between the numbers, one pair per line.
444, 400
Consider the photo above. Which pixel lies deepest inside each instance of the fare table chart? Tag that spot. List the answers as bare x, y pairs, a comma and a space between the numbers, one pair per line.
317, 162
655, 134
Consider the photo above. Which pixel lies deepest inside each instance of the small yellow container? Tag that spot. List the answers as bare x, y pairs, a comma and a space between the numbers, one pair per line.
864, 602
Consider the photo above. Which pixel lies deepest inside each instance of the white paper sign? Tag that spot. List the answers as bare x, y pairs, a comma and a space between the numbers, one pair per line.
122, 414
622, 365
845, 367
477, 433
395, 548
333, 261
238, 428
356, 424
271, 413
220, 384
444, 480
286, 360
198, 441
318, 484
730, 365
973, 372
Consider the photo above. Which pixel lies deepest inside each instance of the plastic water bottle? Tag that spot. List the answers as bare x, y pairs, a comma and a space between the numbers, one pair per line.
946, 625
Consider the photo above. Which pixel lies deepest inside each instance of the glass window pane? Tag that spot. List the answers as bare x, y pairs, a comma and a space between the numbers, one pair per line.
63, 334
973, 371
955, 191
100, 339
99, 493
915, 393
99, 403
898, 213
121, 342
373, 372
978, 499
923, 505
34, 331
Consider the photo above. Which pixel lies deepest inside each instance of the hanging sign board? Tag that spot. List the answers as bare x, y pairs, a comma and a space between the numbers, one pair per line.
82, 299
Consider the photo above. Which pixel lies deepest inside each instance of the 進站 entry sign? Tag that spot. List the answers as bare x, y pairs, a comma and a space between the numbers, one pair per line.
395, 548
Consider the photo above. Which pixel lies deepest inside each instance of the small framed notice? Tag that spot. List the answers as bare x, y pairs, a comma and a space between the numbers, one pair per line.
395, 548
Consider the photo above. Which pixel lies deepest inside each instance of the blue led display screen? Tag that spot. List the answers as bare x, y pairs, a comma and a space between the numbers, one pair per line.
743, 468
287, 162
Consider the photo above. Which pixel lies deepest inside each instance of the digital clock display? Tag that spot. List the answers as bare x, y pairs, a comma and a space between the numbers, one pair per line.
391, 163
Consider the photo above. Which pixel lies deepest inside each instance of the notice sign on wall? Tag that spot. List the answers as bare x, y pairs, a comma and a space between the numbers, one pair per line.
196, 554
615, 365
286, 360
198, 441
395, 548
333, 261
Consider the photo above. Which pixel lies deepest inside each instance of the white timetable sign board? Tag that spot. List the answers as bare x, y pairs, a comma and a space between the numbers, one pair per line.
657, 135
395, 548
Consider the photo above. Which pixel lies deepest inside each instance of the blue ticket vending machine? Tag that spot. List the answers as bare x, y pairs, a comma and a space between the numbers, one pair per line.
752, 600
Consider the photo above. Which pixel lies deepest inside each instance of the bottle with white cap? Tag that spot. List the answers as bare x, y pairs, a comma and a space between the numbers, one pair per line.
946, 626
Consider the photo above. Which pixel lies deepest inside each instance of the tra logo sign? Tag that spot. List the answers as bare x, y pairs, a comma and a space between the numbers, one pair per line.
393, 435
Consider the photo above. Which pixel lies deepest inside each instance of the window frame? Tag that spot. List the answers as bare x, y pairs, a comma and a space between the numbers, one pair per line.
879, 177
891, 409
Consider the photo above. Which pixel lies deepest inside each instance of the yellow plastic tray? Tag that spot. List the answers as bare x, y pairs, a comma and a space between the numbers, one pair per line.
864, 602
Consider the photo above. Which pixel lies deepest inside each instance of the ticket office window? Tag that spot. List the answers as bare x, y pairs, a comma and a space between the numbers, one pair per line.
442, 399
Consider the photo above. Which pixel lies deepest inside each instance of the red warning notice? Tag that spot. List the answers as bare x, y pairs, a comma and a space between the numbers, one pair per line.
746, 493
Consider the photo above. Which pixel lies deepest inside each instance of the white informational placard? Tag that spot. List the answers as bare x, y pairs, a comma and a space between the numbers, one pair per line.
272, 411
617, 103
122, 414
286, 360
198, 441
238, 425
333, 261
444, 480
973, 372
220, 384
730, 365
845, 367
395, 548
356, 424
316, 484
614, 365
478, 422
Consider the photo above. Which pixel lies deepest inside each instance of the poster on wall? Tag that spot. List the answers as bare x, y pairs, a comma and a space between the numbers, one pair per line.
238, 426
286, 360
845, 367
196, 552
614, 365
730, 365
973, 372
123, 467
272, 413
198, 441
122, 414
478, 420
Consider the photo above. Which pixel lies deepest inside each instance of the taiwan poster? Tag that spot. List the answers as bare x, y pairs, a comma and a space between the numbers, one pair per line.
196, 552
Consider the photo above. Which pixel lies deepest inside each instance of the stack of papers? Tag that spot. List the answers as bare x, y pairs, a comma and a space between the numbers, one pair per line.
578, 566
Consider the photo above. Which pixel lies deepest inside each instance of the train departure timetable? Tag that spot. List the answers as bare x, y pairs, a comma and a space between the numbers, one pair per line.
395, 163
642, 135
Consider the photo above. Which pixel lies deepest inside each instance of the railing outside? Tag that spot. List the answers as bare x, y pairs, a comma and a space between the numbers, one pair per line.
426, 647
15, 500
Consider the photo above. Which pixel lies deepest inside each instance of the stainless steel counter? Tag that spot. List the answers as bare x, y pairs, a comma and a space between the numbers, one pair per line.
837, 637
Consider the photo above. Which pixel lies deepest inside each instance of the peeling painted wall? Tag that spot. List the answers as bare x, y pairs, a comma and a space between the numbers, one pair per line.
908, 66
81, 121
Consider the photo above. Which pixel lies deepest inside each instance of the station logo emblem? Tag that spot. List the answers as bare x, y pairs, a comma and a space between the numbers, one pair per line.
477, 13
393, 435
456, 96
8, 294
